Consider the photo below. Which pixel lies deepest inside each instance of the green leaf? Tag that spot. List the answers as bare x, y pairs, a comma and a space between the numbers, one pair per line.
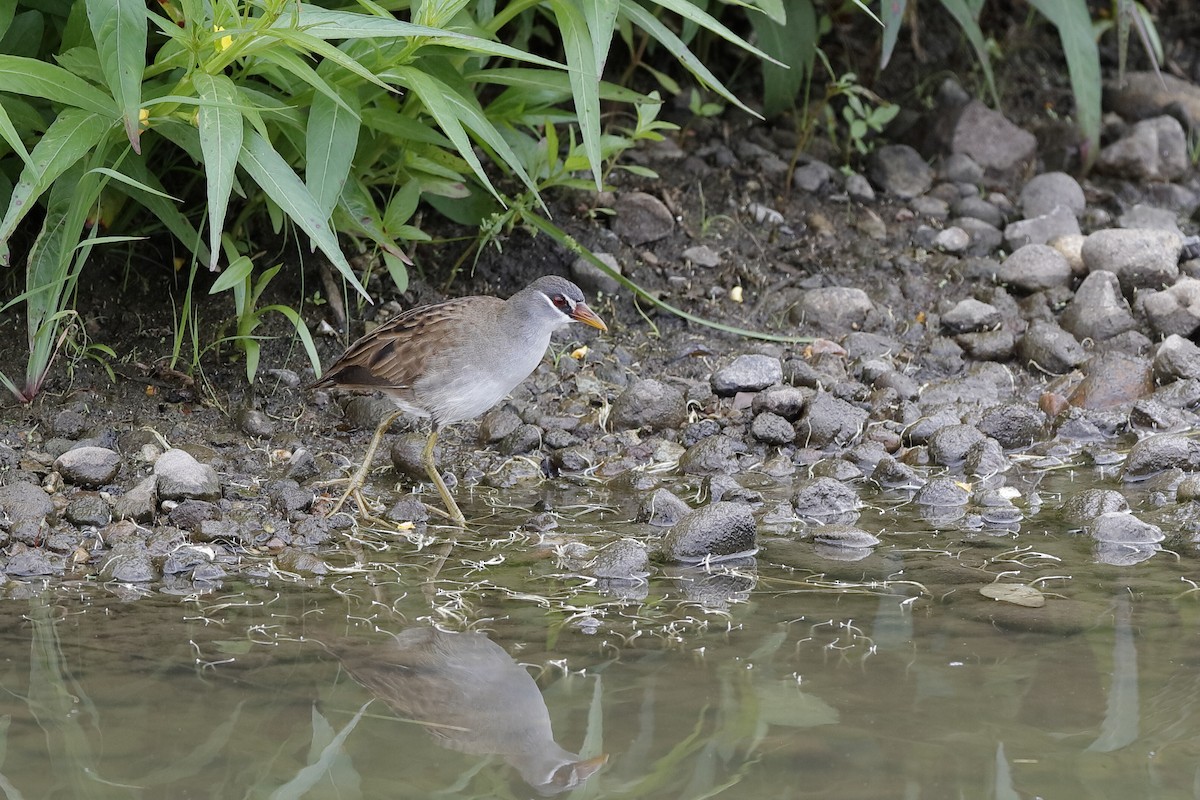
9, 132
157, 202
32, 77
72, 134
1083, 62
892, 14
796, 46
970, 28
585, 79
356, 214
310, 347
220, 128
235, 274
128, 181
282, 185
694, 13
119, 28
331, 141
402, 206
397, 270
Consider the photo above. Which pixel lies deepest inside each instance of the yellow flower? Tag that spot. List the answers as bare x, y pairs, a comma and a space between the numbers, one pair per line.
144, 118
224, 42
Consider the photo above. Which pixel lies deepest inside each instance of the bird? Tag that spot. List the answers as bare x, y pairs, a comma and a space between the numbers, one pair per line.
471, 696
454, 360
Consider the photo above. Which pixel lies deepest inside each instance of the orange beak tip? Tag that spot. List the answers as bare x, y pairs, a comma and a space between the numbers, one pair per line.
588, 317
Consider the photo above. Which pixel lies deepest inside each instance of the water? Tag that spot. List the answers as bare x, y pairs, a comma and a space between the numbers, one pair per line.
795, 676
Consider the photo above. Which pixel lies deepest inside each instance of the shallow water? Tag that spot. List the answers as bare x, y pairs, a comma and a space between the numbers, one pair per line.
793, 676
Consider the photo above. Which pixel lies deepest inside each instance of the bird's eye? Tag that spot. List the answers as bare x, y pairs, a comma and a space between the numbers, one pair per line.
560, 302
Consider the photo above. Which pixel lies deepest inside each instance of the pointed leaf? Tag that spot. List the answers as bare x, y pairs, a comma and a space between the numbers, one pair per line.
1083, 62
967, 21
9, 132
72, 134
582, 60
40, 79
282, 185
119, 28
158, 203
331, 141
220, 128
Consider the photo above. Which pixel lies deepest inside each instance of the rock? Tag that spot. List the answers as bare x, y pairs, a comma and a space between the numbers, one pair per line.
1051, 349
821, 499
288, 498
32, 562
786, 401
525, 439
623, 560
829, 421
702, 256
90, 467
899, 170
710, 456
641, 218
594, 280
952, 240
662, 509
942, 492
1013, 425
575, 458
129, 563
1154, 149
985, 237
833, 308
301, 466
254, 422
892, 474
179, 476
961, 168
1113, 380
948, 446
747, 373
992, 141
813, 176
1098, 311
1141, 95
188, 515
1175, 311
498, 423
711, 533
772, 429
985, 458
1141, 259
1054, 224
1176, 358
1149, 217
978, 208
1121, 527
23, 500
844, 536
139, 503
69, 424
1155, 454
1043, 193
971, 315
649, 404
859, 188
88, 509
997, 345
1034, 268
1082, 507
407, 454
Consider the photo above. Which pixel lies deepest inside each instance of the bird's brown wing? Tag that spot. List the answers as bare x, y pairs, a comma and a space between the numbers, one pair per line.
395, 355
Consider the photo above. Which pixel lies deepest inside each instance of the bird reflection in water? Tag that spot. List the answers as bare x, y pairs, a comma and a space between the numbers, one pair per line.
473, 698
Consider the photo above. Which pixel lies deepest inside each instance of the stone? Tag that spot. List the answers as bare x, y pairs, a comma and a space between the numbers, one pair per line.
1083, 506
661, 509
1174, 311
1140, 259
785, 401
821, 499
1035, 268
90, 467
942, 492
69, 424
1156, 454
623, 560
1051, 349
1175, 358
828, 420
1043, 193
985, 237
1154, 149
1014, 425
22, 500
948, 445
1054, 224
992, 141
139, 503
971, 315
712, 533
711, 456
900, 171
593, 280
1121, 527
1098, 311
641, 218
180, 476
978, 208
1113, 380
747, 373
833, 308
1142, 95
771, 428
649, 404
88, 509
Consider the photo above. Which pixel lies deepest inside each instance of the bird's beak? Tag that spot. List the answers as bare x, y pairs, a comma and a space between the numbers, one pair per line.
581, 313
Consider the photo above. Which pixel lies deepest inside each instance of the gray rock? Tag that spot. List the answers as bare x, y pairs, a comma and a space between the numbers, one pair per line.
1121, 527
1140, 259
859, 188
772, 429
33, 562
933, 208
747, 373
827, 421
406, 455
822, 499
952, 240
88, 509
985, 458
1034, 268
1149, 217
992, 141
702, 256
498, 423
1125, 554
1141, 95
649, 404
181, 477
594, 280
1175, 311
985, 237
961, 168
711, 456
139, 503
573, 458
129, 563
1156, 454
785, 401
254, 422
970, 315
1176, 358
525, 439
188, 515
185, 559
1153, 150
408, 509
892, 474
1098, 311
899, 170
711, 533
661, 509
1013, 425
69, 424
997, 345
641, 218
833, 308
1043, 193
978, 208
90, 467
942, 492
1050, 348
623, 560
301, 466
23, 500
813, 177
1082, 507
844, 536
1054, 224
948, 446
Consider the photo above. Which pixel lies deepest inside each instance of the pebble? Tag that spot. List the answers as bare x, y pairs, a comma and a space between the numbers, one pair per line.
771, 428
641, 218
822, 499
1054, 224
714, 532
651, 405
139, 503
623, 560
1141, 259
900, 171
1049, 348
90, 467
747, 373
1153, 150
702, 256
712, 455
593, 280
1043, 193
1034, 268
1098, 311
180, 476
661, 509
1175, 311
1175, 358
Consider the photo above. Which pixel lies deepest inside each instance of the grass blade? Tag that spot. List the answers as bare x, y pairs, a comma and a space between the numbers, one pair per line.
1083, 62
582, 61
283, 186
119, 28
220, 128
793, 43
970, 27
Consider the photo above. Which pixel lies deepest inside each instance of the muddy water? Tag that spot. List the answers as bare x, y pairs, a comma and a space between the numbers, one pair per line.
795, 676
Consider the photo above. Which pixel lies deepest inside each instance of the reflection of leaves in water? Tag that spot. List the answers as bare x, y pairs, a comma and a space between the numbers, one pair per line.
325, 758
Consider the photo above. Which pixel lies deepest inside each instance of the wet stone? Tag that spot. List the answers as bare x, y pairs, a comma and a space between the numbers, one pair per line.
574, 458
713, 532
406, 453
824, 498
1124, 554
772, 429
948, 446
525, 439
1176, 358
181, 477
300, 562
662, 509
139, 503
712, 455
784, 401
408, 509
1174, 311
891, 474
301, 466
970, 315
997, 345
69, 424
942, 492
844, 536
1098, 311
90, 467
88, 509
649, 404
1051, 348
184, 559
498, 423
23, 500
1013, 425
189, 514
129, 563
726, 487
1120, 527
28, 563
1156, 454
623, 560
1113, 381
985, 458
287, 497
747, 373
829, 421
30, 531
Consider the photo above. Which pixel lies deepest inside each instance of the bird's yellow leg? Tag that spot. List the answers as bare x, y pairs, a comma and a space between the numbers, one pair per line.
456, 516
360, 476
